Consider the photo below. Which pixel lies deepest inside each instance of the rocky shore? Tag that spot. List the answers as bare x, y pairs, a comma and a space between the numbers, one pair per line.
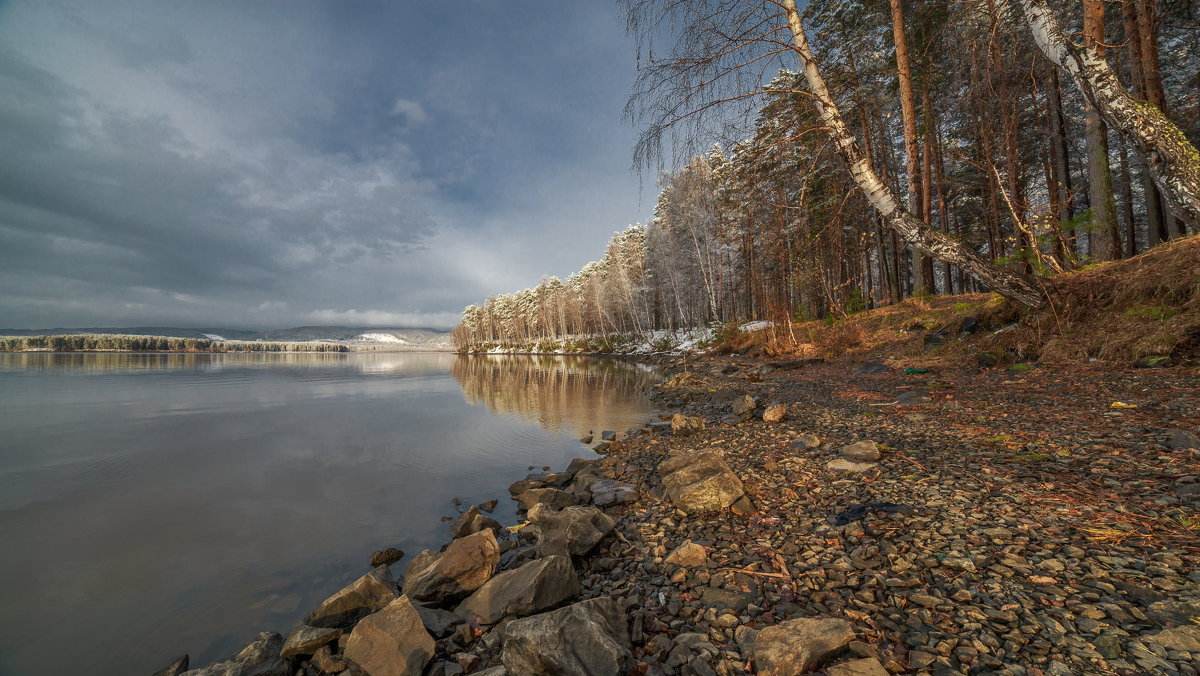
850, 520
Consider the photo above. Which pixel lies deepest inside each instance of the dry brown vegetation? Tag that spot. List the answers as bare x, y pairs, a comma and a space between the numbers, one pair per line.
1116, 312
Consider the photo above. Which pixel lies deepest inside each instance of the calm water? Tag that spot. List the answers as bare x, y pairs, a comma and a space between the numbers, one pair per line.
152, 504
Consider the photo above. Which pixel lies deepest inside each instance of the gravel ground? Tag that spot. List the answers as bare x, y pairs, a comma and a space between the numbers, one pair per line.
1017, 522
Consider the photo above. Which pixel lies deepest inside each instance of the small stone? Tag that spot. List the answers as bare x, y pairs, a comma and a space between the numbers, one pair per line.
861, 451
259, 657
386, 557
1184, 638
844, 465
175, 668
1183, 439
744, 405
919, 660
913, 397
865, 667
304, 640
683, 426
806, 441
775, 413
688, 555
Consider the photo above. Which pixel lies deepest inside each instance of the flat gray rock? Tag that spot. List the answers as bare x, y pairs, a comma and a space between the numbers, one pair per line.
450, 576
571, 531
304, 640
536, 586
259, 658
356, 600
700, 482
798, 646
588, 638
861, 451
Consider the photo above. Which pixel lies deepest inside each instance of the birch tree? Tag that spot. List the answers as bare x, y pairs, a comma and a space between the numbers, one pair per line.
1172, 161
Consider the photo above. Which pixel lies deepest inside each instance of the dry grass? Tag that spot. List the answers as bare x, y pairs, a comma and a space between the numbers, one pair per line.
1116, 312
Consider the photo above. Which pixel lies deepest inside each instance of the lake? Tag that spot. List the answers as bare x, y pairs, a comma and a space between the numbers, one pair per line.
157, 504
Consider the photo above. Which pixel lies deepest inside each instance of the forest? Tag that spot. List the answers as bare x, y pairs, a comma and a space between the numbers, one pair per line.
844, 156
97, 342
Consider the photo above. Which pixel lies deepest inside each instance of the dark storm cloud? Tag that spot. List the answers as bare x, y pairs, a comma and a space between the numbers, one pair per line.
262, 164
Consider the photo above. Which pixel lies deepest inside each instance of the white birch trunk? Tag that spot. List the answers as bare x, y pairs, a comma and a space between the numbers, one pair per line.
937, 244
1172, 162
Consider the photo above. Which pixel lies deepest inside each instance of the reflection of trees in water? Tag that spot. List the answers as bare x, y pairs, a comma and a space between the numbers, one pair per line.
559, 392
407, 364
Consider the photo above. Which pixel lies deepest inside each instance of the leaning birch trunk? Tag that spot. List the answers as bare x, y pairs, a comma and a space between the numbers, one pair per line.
937, 244
1172, 161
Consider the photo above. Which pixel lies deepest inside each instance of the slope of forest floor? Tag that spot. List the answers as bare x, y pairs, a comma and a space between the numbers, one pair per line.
1145, 308
1043, 521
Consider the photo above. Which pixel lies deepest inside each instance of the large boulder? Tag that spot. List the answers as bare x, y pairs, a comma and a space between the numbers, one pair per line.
588, 638
532, 588
391, 642
360, 598
551, 497
686, 425
571, 531
471, 522
259, 658
861, 451
700, 482
447, 577
797, 646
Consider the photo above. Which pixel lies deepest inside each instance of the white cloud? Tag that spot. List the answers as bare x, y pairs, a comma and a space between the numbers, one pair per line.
413, 111
352, 317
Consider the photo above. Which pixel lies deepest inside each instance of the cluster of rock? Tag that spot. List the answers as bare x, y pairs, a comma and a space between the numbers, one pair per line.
452, 609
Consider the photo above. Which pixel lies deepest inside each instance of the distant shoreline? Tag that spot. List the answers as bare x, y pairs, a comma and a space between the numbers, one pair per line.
105, 343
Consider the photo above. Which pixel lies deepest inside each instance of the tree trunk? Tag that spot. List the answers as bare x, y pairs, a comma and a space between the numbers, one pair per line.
1127, 202
1173, 162
908, 114
1102, 244
1061, 158
1152, 199
947, 249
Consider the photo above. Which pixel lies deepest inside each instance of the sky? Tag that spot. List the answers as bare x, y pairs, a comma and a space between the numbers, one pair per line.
270, 164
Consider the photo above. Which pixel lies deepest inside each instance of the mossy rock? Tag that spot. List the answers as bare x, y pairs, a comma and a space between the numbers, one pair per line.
1153, 361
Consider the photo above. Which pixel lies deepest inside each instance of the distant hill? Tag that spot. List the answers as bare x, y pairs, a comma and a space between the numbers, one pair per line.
358, 337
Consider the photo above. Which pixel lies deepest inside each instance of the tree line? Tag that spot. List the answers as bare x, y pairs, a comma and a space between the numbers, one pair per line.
94, 342
870, 151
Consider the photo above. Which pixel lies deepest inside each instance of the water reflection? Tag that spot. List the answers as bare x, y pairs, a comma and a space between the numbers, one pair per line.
154, 504
568, 393
414, 363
